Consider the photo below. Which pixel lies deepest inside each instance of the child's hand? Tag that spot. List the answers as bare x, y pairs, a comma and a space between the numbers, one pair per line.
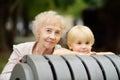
92, 53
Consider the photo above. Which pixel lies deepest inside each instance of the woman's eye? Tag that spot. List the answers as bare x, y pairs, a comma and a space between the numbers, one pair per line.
57, 33
48, 30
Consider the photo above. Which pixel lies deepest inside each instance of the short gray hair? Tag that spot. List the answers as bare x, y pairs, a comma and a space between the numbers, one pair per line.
47, 18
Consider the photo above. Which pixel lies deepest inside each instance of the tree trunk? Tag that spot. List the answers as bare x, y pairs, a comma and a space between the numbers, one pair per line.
25, 17
3, 18
11, 33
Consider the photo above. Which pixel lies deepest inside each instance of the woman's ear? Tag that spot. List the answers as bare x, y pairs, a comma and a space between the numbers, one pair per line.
38, 35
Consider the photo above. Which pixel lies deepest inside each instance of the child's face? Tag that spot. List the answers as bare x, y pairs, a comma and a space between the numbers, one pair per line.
80, 45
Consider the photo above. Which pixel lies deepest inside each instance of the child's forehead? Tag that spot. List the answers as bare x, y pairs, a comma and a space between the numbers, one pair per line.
80, 37
81, 41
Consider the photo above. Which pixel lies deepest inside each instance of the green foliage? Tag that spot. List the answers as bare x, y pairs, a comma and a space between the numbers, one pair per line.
96, 3
77, 8
37, 6
72, 7
63, 4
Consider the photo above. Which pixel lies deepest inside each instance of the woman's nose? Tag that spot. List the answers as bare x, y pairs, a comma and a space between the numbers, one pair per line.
52, 36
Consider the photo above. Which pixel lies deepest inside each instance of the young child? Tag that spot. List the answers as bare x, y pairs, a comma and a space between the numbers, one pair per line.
80, 39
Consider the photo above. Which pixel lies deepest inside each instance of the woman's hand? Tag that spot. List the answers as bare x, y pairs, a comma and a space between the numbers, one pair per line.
104, 53
69, 52
19, 60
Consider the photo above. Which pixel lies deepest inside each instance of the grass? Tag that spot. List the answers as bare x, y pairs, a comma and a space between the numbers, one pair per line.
3, 59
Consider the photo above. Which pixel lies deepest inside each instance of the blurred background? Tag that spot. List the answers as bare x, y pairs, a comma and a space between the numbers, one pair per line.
102, 16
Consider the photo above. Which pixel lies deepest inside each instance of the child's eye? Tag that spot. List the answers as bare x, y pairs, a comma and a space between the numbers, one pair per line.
87, 43
79, 43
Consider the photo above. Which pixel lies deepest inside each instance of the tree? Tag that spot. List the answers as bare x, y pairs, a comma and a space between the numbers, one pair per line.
8, 9
3, 17
28, 9
104, 22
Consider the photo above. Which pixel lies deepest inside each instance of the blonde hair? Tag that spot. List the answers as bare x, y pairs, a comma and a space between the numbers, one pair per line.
82, 31
47, 18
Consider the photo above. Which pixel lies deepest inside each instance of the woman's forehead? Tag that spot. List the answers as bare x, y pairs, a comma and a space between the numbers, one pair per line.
52, 27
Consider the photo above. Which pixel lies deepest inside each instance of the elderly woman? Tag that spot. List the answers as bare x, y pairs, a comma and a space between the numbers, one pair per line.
48, 28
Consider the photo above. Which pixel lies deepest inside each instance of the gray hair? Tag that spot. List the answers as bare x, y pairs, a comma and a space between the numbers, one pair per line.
45, 19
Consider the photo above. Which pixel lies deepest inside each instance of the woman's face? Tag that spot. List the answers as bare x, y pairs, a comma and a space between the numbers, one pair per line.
49, 36
80, 45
